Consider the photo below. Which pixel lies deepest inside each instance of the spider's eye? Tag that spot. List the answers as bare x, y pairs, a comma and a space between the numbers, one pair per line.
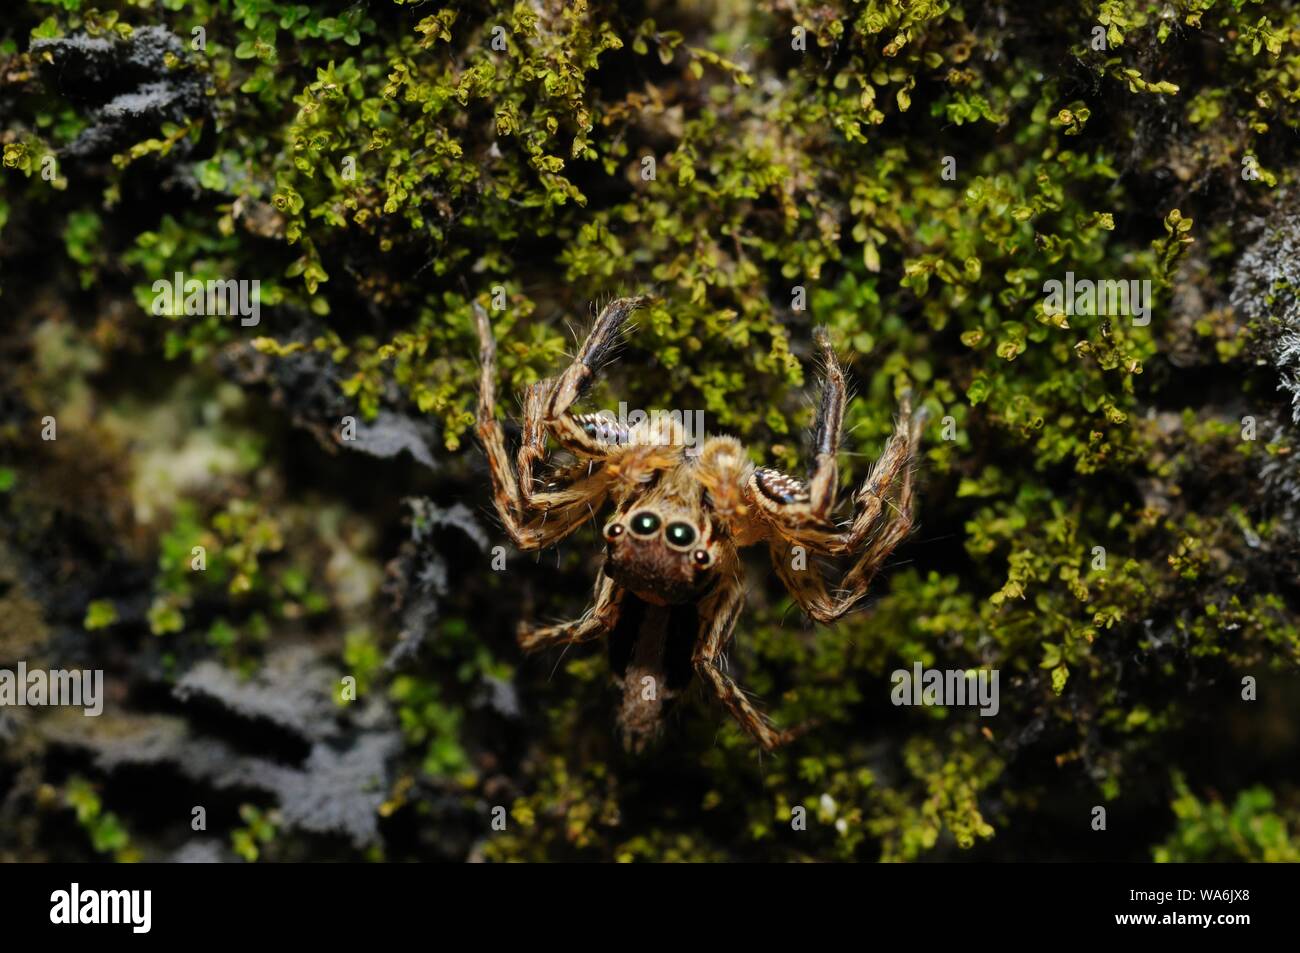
613, 531
702, 558
680, 535
644, 524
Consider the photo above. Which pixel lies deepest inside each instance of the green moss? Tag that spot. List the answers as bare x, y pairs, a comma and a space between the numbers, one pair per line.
104, 828
258, 832
1251, 830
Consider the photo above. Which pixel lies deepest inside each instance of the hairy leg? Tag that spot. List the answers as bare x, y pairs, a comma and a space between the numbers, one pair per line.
786, 502
595, 622
808, 508
826, 435
896, 463
532, 520
587, 435
718, 614
804, 580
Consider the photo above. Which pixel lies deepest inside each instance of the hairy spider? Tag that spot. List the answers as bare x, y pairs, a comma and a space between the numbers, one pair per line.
670, 587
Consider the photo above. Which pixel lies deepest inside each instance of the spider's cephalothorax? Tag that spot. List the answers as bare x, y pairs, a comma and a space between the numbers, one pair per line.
670, 591
660, 544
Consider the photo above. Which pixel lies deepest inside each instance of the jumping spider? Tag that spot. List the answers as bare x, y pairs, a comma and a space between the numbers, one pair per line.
670, 587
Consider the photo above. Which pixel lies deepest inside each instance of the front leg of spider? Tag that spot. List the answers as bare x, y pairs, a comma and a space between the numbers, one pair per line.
532, 520
589, 435
883, 512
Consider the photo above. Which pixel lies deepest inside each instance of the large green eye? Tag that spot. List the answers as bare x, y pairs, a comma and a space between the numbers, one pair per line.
644, 524
680, 534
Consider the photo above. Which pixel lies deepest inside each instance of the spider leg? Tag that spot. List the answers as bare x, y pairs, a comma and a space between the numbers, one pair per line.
895, 464
588, 435
718, 615
532, 520
796, 507
788, 504
826, 435
805, 582
532, 444
806, 585
595, 622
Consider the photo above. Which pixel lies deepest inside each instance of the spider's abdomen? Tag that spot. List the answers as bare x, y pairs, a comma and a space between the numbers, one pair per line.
650, 659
